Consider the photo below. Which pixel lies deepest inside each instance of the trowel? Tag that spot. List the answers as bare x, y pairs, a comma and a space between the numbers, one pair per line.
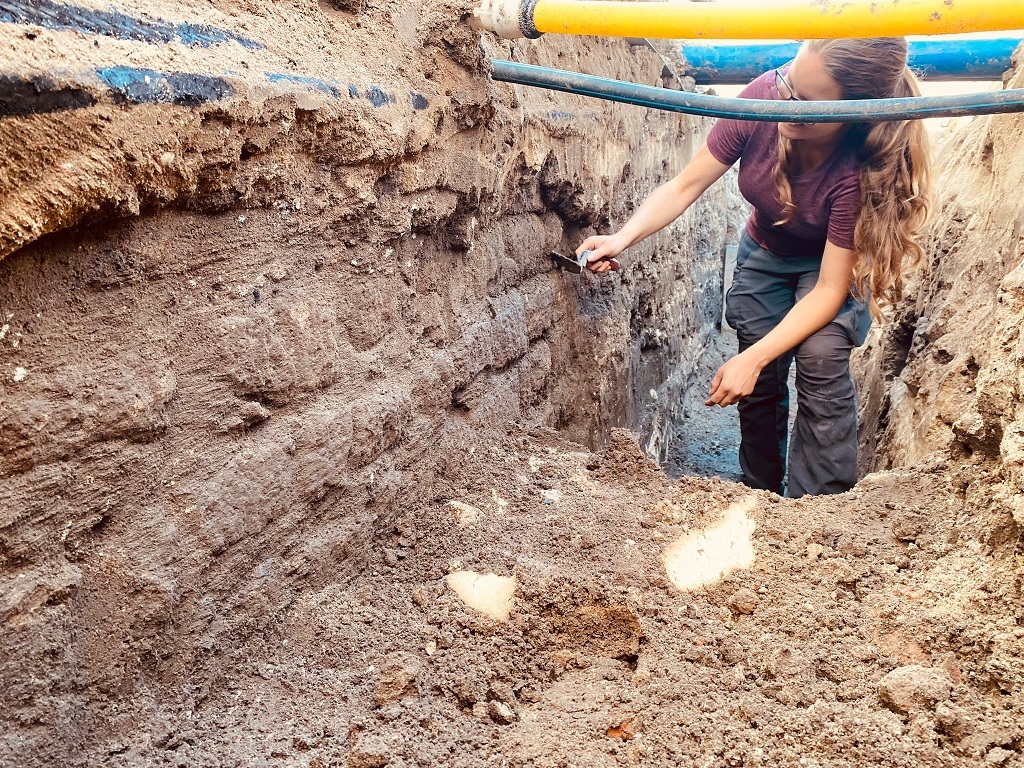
577, 264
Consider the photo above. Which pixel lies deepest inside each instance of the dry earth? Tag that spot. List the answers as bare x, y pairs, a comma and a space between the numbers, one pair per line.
284, 362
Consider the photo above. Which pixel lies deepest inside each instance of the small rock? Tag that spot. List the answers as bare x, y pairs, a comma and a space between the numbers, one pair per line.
980, 744
743, 601
814, 551
252, 413
369, 752
277, 272
950, 720
466, 514
914, 687
952, 666
998, 756
501, 713
397, 679
487, 593
864, 653
908, 526
469, 693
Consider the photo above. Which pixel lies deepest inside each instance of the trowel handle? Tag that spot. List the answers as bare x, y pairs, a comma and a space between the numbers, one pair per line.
614, 262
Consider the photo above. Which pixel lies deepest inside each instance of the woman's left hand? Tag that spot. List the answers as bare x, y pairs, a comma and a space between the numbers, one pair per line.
734, 380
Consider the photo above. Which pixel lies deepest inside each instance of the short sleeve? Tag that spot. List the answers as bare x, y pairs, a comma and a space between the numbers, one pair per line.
728, 138
844, 208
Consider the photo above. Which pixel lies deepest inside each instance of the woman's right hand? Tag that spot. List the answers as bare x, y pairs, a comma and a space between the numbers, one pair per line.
602, 248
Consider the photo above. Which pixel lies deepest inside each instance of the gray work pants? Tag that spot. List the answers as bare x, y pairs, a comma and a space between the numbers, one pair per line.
823, 451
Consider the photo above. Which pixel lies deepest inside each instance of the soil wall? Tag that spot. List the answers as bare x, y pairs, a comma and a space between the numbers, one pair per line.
945, 376
272, 272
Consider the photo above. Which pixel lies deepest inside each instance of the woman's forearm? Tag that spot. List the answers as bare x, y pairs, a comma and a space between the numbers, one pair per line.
812, 313
738, 377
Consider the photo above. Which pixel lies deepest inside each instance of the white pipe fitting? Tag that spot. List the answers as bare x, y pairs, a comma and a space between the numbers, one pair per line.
499, 16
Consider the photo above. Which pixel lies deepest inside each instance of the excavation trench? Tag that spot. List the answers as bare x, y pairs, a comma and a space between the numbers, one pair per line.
311, 457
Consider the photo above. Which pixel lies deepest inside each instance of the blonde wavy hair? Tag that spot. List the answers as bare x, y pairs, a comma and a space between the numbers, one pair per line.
895, 175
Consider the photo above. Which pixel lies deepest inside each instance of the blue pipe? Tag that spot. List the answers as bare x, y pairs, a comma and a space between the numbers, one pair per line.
935, 59
850, 111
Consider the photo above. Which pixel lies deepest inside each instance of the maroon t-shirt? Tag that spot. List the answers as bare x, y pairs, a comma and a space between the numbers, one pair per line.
827, 198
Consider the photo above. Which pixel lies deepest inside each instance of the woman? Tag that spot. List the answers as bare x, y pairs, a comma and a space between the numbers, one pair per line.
836, 211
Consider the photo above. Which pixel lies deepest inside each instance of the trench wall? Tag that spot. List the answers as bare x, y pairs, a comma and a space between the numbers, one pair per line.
270, 272
945, 376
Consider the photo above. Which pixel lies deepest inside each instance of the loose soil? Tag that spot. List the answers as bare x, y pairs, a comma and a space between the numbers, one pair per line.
873, 628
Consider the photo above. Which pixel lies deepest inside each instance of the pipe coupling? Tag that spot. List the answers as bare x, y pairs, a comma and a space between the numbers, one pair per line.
507, 18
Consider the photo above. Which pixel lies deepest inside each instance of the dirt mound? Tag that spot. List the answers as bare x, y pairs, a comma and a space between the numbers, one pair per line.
866, 631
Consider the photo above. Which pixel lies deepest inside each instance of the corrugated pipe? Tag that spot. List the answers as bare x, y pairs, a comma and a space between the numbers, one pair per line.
938, 59
748, 19
850, 111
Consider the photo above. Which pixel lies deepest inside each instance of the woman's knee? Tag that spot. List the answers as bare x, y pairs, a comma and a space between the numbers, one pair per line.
830, 344
824, 358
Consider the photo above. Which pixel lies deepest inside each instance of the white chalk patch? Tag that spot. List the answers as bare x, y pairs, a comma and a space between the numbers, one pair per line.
552, 496
699, 559
20, 373
535, 463
464, 513
500, 504
4, 329
487, 593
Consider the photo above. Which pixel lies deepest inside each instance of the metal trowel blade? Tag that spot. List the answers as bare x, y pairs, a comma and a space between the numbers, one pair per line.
573, 265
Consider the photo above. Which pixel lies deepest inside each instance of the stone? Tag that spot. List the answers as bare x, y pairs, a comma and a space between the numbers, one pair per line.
277, 272
914, 688
466, 514
743, 602
980, 744
369, 752
949, 719
501, 713
469, 692
625, 731
502, 692
998, 756
697, 560
397, 680
908, 526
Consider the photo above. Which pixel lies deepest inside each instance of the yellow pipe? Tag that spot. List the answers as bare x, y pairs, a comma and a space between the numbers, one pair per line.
776, 20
